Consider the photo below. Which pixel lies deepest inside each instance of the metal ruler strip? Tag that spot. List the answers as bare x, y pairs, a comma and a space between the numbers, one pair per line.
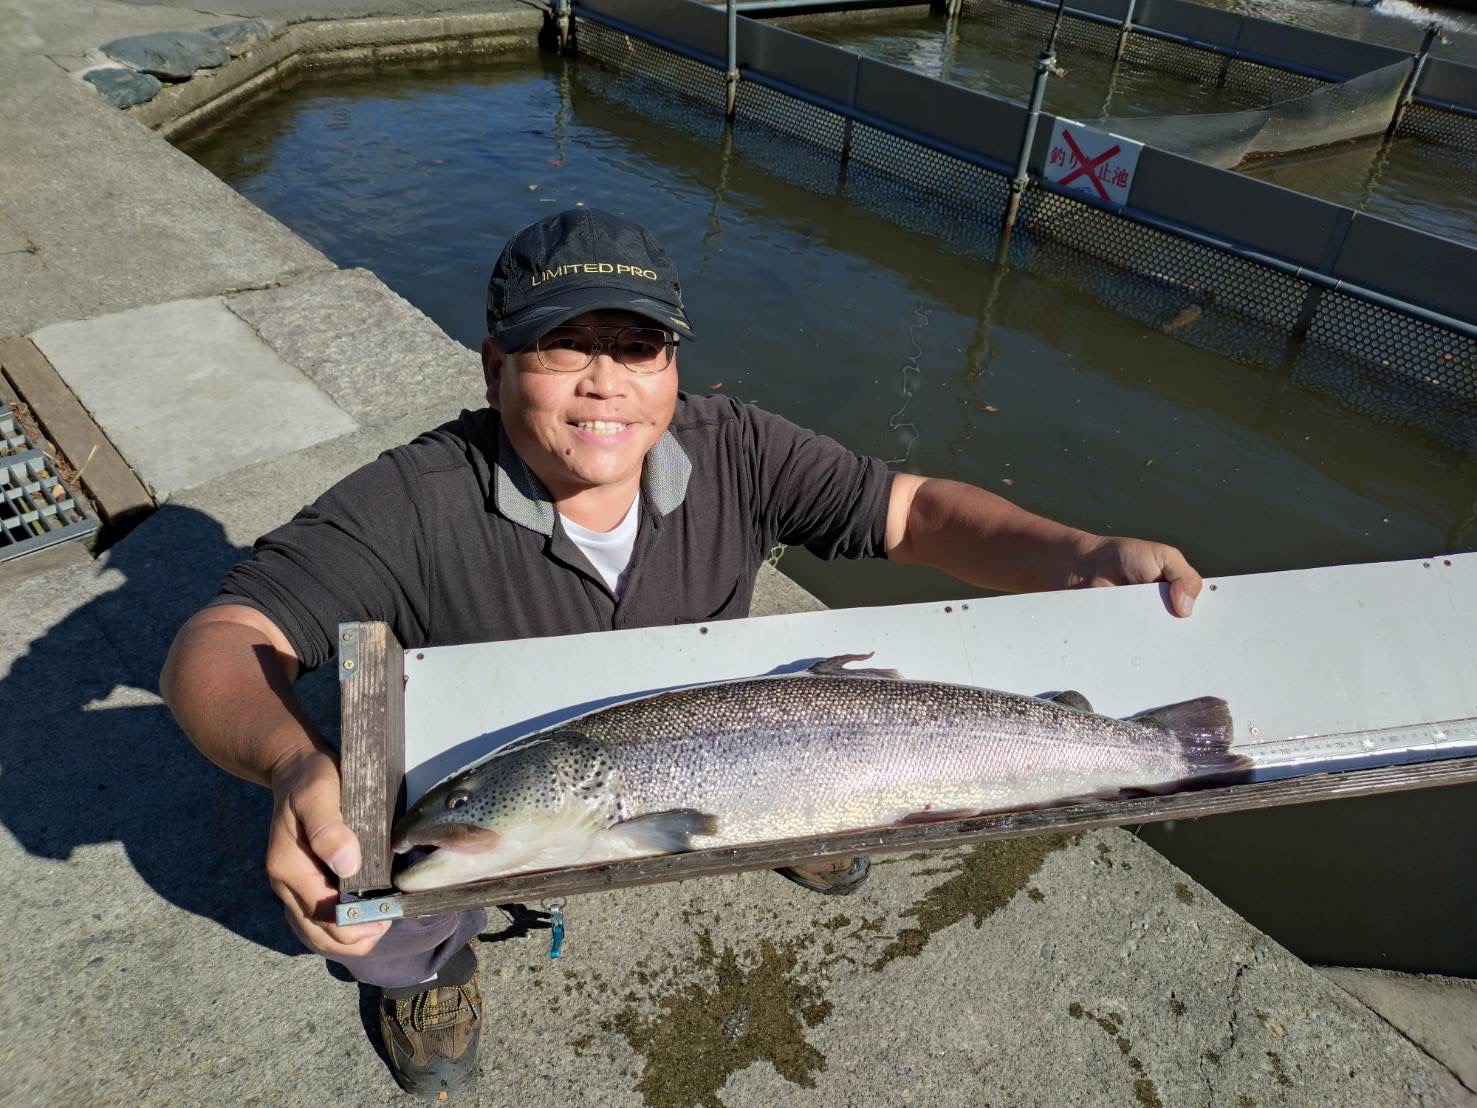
1382, 746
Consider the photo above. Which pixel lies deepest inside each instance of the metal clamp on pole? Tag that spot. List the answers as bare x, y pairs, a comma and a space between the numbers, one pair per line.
1407, 94
1123, 29
557, 31
1045, 66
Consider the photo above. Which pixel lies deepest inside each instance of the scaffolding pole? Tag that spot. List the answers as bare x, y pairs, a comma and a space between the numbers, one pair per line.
731, 77
1407, 94
1045, 66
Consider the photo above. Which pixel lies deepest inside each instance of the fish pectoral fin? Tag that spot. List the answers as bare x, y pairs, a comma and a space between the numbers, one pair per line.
666, 832
1071, 698
1204, 731
836, 667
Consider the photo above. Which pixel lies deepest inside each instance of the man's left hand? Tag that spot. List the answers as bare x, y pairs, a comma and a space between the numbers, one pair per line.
1120, 561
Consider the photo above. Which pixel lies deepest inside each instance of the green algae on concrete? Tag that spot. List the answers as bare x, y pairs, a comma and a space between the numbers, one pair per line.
985, 879
1144, 1089
757, 1011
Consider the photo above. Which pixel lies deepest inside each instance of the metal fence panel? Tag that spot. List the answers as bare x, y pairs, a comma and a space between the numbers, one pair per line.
696, 26
935, 158
972, 121
1194, 21
1108, 9
1298, 46
804, 63
1454, 132
1392, 368
644, 77
1448, 81
1238, 308
1409, 265
1240, 209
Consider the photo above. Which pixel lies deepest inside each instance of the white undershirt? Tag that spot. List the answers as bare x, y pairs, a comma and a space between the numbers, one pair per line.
608, 551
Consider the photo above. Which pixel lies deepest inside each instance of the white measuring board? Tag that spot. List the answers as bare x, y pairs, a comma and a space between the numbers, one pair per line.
1384, 649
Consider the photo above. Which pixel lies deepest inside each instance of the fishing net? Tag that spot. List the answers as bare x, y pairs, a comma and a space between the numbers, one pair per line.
1337, 112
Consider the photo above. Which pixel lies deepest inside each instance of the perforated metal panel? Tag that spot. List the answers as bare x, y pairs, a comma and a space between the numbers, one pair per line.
700, 93
37, 509
1035, 24
1207, 297
1265, 84
1441, 128
761, 104
1393, 368
926, 190
796, 141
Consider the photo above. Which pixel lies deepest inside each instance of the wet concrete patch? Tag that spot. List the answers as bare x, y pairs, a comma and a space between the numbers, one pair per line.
983, 881
758, 1010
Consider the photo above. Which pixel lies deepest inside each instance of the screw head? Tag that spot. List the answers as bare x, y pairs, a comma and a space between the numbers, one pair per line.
384, 906
349, 663
348, 636
352, 913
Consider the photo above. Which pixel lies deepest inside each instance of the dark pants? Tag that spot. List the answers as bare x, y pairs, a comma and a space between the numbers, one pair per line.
412, 955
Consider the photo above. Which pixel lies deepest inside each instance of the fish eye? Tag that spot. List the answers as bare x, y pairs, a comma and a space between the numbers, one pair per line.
457, 800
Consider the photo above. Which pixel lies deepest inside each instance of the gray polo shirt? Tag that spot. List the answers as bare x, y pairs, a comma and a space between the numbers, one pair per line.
452, 539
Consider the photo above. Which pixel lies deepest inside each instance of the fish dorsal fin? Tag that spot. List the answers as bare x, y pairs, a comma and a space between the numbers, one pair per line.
836, 667
1071, 698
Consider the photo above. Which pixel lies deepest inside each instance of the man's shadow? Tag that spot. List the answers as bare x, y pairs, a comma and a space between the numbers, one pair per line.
91, 756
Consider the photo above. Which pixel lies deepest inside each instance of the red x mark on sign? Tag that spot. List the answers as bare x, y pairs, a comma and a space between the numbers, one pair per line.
1085, 166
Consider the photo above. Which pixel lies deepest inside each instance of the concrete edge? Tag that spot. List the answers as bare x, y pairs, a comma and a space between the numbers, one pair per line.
1427, 1002
193, 103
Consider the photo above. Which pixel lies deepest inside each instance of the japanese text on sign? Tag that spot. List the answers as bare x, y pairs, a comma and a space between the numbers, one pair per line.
1092, 162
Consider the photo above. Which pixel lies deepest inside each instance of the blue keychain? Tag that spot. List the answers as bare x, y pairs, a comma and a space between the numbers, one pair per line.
556, 929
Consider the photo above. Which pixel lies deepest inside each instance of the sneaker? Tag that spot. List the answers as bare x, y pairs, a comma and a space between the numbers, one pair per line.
431, 1038
837, 877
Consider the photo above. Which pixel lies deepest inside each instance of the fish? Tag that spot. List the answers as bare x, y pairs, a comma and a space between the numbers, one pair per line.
791, 756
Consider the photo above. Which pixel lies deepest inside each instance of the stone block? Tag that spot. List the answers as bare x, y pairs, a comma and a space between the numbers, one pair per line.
123, 87
171, 55
240, 37
187, 391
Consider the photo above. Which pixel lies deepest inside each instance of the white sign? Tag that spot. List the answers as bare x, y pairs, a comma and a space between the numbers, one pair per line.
1094, 162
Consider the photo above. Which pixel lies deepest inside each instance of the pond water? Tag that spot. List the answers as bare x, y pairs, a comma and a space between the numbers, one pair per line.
848, 324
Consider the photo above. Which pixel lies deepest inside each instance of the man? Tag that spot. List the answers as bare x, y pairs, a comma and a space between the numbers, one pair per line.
590, 495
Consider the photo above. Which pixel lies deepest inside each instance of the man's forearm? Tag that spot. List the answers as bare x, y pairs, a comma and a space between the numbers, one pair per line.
230, 690
982, 538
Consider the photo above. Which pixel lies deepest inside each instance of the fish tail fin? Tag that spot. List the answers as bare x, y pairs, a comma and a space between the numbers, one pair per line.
836, 667
1204, 731
668, 832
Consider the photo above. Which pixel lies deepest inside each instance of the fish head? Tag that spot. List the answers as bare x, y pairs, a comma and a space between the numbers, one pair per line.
534, 804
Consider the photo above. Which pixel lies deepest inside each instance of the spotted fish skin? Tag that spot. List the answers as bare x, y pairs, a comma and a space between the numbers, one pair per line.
797, 756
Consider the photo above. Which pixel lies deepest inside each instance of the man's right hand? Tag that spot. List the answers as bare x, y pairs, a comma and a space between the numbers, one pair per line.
308, 839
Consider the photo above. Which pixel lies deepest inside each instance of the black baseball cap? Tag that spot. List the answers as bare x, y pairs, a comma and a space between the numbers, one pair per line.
581, 260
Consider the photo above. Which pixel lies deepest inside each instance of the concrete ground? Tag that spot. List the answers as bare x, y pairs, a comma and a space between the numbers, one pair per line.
240, 372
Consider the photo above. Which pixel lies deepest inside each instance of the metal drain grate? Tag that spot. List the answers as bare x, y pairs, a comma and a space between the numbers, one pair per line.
37, 509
